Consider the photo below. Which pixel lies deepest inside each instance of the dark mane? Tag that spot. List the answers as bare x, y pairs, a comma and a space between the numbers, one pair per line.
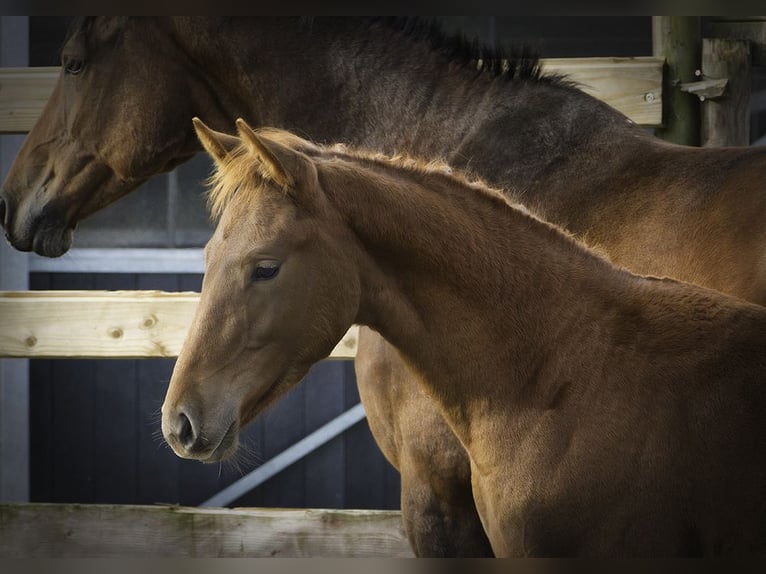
517, 62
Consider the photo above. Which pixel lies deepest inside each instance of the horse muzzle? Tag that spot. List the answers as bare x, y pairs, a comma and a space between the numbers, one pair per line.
182, 431
46, 233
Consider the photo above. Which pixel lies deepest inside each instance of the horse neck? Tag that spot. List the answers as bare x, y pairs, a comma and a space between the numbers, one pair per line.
330, 79
450, 272
371, 86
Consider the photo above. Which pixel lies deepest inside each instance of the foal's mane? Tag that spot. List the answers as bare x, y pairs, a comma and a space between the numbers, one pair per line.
242, 173
241, 170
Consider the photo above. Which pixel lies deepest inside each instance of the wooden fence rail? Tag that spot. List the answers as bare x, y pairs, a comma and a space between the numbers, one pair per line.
118, 324
121, 531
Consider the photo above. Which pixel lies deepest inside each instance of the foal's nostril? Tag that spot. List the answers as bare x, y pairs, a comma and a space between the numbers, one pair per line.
185, 431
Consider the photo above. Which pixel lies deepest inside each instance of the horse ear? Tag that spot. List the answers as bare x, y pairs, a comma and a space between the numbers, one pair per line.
217, 144
274, 156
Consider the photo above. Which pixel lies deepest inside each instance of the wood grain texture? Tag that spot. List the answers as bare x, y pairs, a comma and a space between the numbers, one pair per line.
631, 85
91, 531
23, 94
115, 324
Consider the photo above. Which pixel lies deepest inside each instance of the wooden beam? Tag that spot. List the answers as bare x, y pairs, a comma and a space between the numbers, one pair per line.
632, 85
107, 324
23, 95
123, 531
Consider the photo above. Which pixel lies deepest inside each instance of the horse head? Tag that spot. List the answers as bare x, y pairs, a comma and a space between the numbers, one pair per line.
274, 274
121, 79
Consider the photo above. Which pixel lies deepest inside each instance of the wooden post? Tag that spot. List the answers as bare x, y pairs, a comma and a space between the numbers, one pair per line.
726, 120
750, 28
676, 39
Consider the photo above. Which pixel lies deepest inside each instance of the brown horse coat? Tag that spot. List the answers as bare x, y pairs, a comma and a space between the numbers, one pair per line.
693, 214
604, 413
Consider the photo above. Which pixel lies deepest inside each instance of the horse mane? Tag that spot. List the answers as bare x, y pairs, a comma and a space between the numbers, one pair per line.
500, 61
241, 171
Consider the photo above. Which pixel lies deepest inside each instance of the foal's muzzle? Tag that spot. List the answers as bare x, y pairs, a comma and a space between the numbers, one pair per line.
182, 432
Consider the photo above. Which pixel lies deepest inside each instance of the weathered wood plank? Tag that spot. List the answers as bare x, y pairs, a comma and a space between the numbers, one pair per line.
23, 94
631, 85
50, 324
623, 83
750, 28
92, 531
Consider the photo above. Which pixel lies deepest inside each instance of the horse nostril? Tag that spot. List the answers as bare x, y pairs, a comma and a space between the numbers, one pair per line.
185, 431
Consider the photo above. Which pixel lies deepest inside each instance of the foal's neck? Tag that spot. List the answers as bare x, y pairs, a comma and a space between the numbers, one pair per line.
455, 277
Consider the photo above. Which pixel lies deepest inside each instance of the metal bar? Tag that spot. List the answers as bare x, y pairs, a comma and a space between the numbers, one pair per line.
137, 260
287, 457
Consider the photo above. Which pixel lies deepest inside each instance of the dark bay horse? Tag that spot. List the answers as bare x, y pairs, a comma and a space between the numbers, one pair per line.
122, 108
604, 413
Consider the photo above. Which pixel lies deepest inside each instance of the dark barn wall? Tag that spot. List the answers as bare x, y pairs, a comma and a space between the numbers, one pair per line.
95, 431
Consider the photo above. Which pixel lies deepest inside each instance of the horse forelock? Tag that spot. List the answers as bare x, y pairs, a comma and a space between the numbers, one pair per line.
241, 171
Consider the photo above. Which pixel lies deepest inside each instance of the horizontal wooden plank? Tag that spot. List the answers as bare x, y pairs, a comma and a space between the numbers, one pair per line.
23, 94
117, 531
67, 324
623, 83
631, 85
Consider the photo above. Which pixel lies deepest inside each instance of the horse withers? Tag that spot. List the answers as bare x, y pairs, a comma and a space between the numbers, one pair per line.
604, 413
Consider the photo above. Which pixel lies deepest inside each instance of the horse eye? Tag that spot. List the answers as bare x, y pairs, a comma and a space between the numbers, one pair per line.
265, 273
74, 66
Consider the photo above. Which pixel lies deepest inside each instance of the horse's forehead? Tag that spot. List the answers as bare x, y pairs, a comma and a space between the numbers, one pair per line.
260, 217
93, 30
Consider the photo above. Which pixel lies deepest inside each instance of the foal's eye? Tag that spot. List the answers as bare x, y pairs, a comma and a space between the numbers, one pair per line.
265, 272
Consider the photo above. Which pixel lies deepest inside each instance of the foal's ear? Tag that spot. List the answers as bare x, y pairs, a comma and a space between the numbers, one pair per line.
217, 144
278, 160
